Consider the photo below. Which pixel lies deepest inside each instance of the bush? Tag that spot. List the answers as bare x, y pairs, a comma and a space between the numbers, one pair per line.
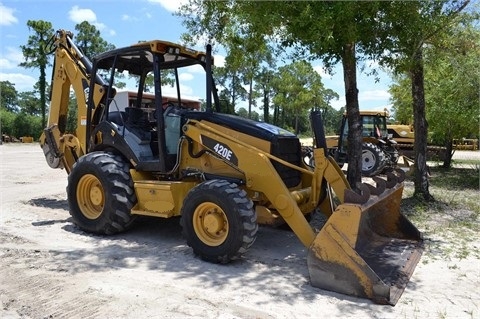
27, 125
7, 118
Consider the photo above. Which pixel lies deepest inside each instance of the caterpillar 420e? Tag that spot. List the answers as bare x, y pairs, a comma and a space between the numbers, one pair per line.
222, 174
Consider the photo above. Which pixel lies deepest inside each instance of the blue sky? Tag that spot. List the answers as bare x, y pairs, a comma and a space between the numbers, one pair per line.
123, 23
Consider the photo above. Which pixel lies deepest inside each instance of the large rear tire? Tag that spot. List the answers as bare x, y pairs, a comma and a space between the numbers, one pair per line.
218, 221
100, 193
373, 159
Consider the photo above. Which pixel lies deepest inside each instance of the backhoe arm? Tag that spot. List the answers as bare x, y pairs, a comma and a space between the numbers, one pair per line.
71, 70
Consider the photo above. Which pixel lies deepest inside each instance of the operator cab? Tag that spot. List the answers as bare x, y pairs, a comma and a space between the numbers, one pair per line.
143, 123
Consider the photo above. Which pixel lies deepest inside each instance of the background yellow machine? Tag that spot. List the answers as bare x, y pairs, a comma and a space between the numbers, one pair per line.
379, 150
222, 174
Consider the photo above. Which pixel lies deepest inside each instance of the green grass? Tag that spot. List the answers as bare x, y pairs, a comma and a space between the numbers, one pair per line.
452, 222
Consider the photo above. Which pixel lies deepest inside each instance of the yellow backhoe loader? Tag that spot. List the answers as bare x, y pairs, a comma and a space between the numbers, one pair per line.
222, 174
379, 150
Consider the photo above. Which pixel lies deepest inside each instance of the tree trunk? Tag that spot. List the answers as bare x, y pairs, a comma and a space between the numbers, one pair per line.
250, 99
296, 123
354, 151
275, 114
447, 160
420, 128
43, 98
266, 106
234, 97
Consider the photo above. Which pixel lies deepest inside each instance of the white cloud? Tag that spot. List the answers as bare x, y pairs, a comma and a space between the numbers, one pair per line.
379, 108
7, 17
197, 68
6, 64
78, 15
22, 82
11, 59
337, 104
219, 60
186, 92
373, 95
186, 77
100, 26
368, 100
170, 5
320, 69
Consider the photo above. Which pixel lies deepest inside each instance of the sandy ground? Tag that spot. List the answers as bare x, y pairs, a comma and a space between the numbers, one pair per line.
51, 269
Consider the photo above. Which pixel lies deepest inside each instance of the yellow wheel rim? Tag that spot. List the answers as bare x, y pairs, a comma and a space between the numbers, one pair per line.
90, 196
210, 224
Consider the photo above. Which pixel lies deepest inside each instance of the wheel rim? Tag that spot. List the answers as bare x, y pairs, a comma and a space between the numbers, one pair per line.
368, 160
90, 196
210, 224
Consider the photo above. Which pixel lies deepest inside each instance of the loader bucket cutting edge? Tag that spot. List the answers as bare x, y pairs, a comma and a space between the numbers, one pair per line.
366, 250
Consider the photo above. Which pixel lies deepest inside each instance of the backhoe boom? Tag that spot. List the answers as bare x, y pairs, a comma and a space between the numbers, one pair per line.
71, 71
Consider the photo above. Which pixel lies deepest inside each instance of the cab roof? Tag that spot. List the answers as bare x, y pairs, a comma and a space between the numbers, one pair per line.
139, 57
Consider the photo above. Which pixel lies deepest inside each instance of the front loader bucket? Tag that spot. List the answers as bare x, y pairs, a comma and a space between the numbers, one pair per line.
367, 250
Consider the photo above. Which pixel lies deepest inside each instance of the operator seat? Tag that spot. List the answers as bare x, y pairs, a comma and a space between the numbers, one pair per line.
137, 123
172, 119
117, 117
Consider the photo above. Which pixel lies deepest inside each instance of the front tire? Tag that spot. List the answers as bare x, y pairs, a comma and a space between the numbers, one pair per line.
100, 193
218, 221
373, 159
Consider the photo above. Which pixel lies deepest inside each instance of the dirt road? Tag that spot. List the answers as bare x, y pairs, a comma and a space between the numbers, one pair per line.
51, 269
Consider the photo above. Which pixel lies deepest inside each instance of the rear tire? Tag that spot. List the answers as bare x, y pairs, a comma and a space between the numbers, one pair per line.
218, 221
373, 159
100, 193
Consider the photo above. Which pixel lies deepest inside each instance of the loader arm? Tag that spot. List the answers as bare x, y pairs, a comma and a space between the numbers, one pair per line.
367, 248
261, 176
71, 70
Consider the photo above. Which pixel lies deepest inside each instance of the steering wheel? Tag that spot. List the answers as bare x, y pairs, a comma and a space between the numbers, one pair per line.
167, 104
167, 107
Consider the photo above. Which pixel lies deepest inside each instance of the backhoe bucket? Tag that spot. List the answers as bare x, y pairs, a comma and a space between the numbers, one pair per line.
367, 250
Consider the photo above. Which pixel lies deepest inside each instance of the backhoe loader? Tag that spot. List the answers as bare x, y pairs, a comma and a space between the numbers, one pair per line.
222, 175
379, 150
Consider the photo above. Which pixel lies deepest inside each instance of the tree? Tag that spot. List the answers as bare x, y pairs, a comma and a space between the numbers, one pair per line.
89, 40
231, 88
405, 29
331, 31
330, 116
245, 56
263, 85
28, 102
452, 82
8, 96
6, 121
35, 54
253, 52
72, 115
298, 89
242, 112
452, 79
26, 125
401, 98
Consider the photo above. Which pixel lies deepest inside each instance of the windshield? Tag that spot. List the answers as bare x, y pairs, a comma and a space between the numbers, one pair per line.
374, 126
